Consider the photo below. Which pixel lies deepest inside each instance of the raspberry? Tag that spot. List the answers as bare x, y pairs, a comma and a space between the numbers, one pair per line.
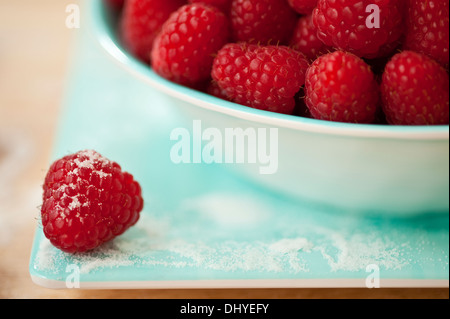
341, 87
141, 21
262, 21
343, 25
214, 90
184, 50
305, 39
427, 29
303, 6
223, 5
88, 201
415, 90
262, 77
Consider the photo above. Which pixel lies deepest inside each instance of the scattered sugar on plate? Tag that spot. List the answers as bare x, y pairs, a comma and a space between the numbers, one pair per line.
291, 245
360, 250
233, 256
174, 240
148, 247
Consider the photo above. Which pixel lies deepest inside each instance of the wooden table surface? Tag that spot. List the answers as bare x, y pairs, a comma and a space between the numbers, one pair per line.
34, 49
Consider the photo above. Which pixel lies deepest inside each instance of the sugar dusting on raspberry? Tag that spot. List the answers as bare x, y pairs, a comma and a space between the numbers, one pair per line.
88, 200
85, 159
88, 158
75, 203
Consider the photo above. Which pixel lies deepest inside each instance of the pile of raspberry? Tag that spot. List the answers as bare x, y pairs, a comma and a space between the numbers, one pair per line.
374, 61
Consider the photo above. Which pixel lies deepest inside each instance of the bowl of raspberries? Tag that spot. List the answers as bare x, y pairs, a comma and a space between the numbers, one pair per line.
357, 90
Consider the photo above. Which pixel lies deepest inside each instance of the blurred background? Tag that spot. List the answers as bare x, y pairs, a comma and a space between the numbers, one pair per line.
35, 50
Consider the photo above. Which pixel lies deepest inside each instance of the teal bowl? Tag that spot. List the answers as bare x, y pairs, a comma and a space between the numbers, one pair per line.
381, 169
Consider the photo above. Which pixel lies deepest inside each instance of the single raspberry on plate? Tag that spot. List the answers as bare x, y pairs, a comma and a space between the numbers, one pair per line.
303, 6
184, 50
415, 90
141, 21
341, 87
352, 25
223, 5
262, 77
306, 41
88, 201
427, 29
262, 21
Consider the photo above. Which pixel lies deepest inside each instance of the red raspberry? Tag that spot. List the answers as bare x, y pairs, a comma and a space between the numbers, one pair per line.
303, 6
341, 87
262, 21
223, 5
305, 39
184, 50
262, 77
427, 29
415, 90
88, 201
214, 90
141, 21
343, 25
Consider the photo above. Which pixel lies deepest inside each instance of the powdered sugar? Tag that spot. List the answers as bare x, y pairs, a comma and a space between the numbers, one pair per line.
75, 203
89, 158
359, 250
291, 245
102, 174
228, 256
177, 243
92, 157
231, 256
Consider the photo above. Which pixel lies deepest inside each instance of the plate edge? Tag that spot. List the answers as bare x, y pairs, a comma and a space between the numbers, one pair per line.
244, 283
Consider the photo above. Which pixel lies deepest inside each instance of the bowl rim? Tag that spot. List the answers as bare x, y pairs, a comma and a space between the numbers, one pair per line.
106, 38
